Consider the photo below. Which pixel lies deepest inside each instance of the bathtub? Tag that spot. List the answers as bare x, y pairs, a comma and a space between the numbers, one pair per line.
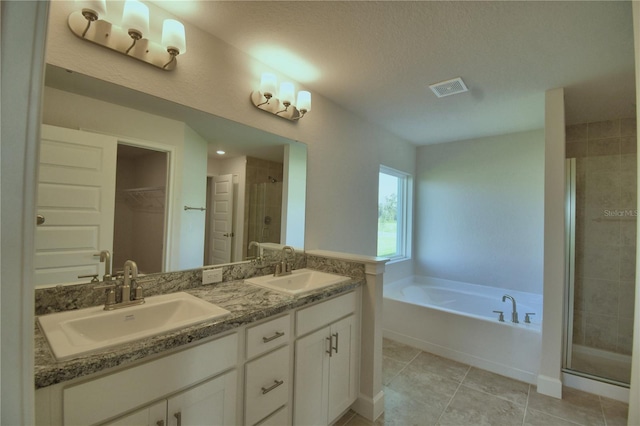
456, 320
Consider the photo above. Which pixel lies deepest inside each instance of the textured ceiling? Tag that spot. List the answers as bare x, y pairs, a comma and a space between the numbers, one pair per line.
377, 59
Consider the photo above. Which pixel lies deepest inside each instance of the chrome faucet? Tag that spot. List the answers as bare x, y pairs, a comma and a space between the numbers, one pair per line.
258, 249
283, 268
105, 257
129, 282
514, 312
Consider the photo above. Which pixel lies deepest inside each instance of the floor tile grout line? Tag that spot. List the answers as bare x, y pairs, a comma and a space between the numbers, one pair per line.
558, 417
604, 417
454, 394
526, 405
403, 367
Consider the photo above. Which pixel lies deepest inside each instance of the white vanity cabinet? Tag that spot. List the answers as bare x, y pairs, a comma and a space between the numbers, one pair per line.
210, 403
200, 383
325, 360
268, 372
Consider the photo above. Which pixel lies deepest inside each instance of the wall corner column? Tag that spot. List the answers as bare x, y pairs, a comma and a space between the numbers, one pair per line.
550, 375
370, 402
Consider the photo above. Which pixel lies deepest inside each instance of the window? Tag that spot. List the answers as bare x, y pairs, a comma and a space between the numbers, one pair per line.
394, 214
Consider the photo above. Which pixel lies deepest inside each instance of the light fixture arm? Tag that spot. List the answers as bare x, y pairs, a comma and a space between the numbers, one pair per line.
88, 27
274, 106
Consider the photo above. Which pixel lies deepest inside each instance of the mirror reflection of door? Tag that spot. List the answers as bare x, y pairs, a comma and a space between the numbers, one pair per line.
220, 240
76, 191
140, 208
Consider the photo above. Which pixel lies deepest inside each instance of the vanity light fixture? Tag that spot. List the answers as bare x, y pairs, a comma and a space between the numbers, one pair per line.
131, 38
283, 104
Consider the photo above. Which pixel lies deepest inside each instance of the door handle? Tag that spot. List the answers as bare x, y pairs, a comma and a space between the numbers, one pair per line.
39, 219
335, 348
228, 234
330, 339
178, 417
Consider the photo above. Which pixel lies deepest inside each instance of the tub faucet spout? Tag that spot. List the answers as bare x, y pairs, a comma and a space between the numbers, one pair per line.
514, 312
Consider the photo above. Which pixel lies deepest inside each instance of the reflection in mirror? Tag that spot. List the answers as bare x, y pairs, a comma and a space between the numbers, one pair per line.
151, 187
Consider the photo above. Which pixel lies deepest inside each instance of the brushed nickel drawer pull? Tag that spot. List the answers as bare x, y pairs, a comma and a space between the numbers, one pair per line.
330, 339
335, 348
178, 417
275, 384
274, 337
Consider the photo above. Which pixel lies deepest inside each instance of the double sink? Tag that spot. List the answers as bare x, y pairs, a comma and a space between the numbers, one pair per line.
80, 332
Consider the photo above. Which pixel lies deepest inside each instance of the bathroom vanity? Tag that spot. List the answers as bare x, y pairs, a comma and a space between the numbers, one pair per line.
239, 369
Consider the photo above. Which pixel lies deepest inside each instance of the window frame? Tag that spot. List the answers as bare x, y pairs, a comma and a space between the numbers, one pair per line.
404, 214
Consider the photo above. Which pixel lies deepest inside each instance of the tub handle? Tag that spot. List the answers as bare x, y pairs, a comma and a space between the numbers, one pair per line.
526, 317
501, 316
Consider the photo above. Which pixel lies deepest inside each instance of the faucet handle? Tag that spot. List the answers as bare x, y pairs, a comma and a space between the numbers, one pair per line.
94, 277
526, 317
111, 294
501, 316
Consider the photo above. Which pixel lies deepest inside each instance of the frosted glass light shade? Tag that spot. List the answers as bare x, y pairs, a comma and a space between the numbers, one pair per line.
173, 35
287, 92
135, 17
304, 101
96, 7
268, 84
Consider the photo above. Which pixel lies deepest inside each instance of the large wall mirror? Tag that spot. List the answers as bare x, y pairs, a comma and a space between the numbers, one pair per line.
145, 179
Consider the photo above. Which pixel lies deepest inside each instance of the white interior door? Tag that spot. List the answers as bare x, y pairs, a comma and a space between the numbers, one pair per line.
221, 218
76, 196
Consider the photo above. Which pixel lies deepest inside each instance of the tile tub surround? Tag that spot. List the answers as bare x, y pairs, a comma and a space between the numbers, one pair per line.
606, 158
452, 393
247, 303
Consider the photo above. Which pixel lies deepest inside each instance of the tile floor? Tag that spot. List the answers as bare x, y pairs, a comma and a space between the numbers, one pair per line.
425, 389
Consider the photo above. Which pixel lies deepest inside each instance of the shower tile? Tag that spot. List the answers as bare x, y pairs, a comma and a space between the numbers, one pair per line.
627, 299
578, 294
628, 126
472, 407
627, 263
601, 332
628, 192
576, 132
625, 336
604, 129
405, 408
602, 163
615, 412
603, 147
602, 262
538, 418
628, 234
628, 162
628, 145
439, 366
575, 406
601, 297
398, 351
576, 149
578, 327
600, 229
496, 385
603, 190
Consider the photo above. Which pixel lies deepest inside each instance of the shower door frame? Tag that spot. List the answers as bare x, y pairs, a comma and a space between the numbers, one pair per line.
570, 259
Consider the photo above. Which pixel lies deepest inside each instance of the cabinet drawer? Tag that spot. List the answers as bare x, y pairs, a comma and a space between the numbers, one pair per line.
267, 336
267, 385
133, 387
278, 418
324, 313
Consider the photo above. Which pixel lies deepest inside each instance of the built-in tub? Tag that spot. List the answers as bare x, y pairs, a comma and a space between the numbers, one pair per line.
456, 320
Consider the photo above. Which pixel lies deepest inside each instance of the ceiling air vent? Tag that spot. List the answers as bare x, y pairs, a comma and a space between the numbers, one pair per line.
449, 87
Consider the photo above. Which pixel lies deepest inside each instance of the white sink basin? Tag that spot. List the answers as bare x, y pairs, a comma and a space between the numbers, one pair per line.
79, 332
300, 281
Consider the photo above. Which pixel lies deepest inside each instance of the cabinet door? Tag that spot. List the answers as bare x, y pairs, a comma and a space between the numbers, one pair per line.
153, 415
211, 403
342, 365
311, 379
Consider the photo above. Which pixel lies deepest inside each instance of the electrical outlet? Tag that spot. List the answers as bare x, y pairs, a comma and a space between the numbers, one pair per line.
210, 276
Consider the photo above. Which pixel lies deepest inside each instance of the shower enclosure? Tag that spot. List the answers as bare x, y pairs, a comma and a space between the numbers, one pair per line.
601, 207
264, 212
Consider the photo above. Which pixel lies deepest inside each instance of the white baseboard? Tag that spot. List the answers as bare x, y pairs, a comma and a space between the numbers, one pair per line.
369, 408
550, 386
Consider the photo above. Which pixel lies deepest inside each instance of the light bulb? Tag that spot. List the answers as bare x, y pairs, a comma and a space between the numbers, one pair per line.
287, 93
173, 37
268, 84
304, 101
135, 18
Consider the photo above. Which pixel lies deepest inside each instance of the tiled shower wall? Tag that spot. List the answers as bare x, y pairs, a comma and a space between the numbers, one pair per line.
605, 241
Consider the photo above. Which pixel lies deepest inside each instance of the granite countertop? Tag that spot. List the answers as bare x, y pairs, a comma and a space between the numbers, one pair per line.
246, 302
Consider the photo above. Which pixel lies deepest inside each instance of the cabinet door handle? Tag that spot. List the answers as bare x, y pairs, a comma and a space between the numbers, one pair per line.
275, 384
274, 337
330, 339
335, 348
178, 417
160, 423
